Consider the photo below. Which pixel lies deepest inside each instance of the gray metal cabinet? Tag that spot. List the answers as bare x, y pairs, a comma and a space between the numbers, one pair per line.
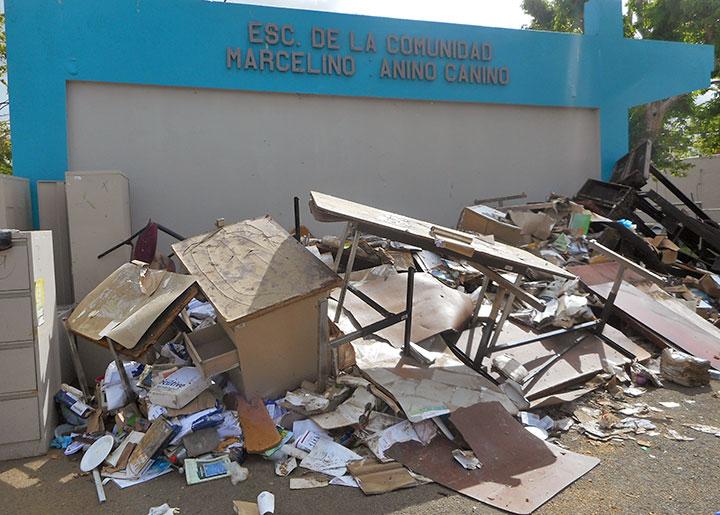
29, 358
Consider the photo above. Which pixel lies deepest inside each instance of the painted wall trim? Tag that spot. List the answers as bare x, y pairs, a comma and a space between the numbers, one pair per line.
185, 43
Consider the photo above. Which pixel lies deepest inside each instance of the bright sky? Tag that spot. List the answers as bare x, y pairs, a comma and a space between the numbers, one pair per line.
490, 13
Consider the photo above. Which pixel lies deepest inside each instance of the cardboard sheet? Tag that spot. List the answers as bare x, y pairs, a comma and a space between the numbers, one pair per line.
377, 478
422, 234
425, 393
250, 267
519, 472
436, 307
120, 309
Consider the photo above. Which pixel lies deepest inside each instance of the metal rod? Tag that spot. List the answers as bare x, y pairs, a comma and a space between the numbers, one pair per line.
323, 347
341, 248
296, 205
490, 326
535, 374
370, 302
547, 335
121, 370
346, 278
504, 314
476, 312
98, 485
508, 285
409, 309
128, 241
370, 329
610, 301
77, 363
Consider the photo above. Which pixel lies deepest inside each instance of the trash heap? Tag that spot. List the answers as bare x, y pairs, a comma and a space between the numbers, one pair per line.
261, 351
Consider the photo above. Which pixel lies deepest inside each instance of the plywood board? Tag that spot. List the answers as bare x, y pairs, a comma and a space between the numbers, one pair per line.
420, 233
519, 472
119, 309
258, 428
248, 268
664, 316
436, 307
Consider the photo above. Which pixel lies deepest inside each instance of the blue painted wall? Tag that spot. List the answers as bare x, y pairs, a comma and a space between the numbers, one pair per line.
183, 43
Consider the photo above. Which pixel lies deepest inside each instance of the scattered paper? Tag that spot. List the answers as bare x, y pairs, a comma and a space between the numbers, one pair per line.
302, 483
669, 404
405, 431
201, 470
634, 391
284, 467
266, 503
329, 458
347, 413
674, 435
157, 469
711, 430
344, 481
308, 400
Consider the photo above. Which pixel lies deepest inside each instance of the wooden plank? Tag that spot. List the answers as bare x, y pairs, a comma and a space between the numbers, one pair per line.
252, 267
258, 428
326, 208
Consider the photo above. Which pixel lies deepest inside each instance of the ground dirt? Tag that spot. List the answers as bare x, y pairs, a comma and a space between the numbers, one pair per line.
669, 477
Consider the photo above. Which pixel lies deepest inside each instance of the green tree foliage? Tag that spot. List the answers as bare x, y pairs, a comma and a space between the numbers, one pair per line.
679, 126
5, 146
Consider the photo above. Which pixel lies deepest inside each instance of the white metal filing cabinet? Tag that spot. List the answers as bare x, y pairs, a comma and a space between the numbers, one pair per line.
29, 360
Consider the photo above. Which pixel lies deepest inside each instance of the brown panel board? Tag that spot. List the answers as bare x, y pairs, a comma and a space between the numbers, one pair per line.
419, 233
519, 472
673, 322
258, 428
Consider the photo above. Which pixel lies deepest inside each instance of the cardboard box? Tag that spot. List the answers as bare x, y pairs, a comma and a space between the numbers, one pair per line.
179, 388
485, 220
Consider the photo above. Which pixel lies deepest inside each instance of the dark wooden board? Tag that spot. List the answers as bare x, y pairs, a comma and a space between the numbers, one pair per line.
519, 472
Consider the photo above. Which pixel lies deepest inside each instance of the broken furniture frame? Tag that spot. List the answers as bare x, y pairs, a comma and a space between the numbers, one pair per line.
128, 241
389, 318
595, 327
455, 244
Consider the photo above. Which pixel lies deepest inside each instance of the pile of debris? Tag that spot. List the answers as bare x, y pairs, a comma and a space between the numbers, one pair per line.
438, 355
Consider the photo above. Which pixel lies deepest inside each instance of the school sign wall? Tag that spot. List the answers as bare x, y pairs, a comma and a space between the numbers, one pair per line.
234, 47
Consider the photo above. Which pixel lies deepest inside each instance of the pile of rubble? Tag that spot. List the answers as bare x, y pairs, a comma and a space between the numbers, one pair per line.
457, 356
